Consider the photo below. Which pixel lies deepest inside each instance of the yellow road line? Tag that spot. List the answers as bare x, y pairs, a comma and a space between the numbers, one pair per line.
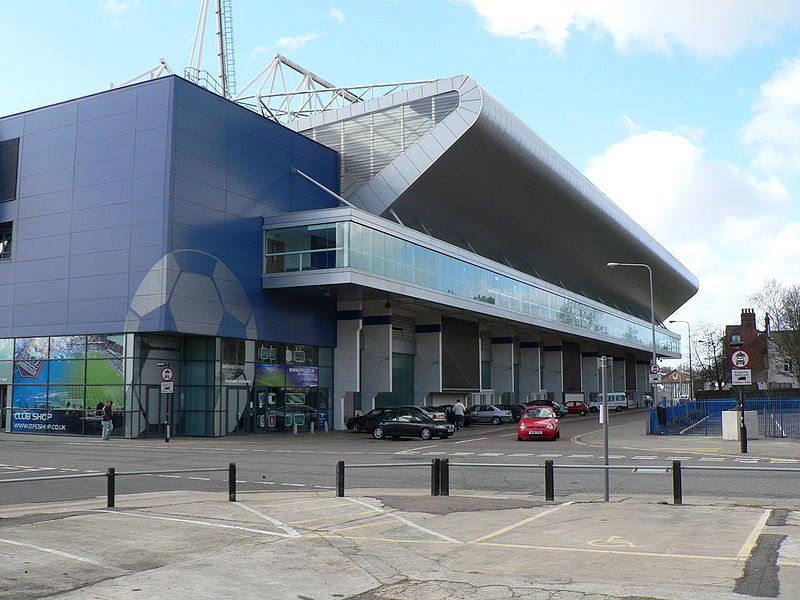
347, 515
598, 551
520, 524
373, 524
751, 540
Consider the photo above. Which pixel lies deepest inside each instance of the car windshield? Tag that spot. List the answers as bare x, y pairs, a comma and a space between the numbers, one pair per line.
538, 413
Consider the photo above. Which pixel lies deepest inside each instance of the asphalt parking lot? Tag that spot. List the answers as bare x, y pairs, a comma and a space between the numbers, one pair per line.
383, 544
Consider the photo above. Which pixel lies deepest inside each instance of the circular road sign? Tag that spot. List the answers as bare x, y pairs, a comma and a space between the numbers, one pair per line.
655, 369
167, 374
740, 359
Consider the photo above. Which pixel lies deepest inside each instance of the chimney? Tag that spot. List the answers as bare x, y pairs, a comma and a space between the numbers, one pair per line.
748, 318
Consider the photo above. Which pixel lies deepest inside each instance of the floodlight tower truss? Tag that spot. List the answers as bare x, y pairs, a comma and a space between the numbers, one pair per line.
225, 85
157, 71
312, 94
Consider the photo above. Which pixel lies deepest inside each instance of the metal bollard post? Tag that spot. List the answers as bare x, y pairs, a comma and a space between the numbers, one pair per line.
549, 481
312, 426
435, 481
677, 483
111, 481
326, 426
340, 479
294, 427
232, 482
444, 477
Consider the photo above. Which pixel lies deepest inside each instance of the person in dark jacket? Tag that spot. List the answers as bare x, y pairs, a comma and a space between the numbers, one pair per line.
105, 420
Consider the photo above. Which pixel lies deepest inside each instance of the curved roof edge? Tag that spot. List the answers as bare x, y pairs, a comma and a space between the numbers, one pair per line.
482, 179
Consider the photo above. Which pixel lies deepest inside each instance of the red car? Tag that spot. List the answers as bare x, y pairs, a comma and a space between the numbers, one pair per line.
538, 422
577, 407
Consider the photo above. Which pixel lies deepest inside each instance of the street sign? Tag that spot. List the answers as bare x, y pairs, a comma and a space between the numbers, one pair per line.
655, 378
740, 359
741, 377
167, 374
655, 369
167, 387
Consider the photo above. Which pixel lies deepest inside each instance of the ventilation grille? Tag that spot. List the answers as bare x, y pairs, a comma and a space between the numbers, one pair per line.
403, 328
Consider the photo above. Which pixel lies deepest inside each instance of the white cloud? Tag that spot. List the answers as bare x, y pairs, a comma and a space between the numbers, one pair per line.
285, 44
729, 228
774, 131
704, 27
119, 11
336, 15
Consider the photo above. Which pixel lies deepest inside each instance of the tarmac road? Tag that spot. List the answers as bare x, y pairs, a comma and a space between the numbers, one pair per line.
403, 544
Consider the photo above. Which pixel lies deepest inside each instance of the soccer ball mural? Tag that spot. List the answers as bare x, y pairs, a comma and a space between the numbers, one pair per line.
194, 292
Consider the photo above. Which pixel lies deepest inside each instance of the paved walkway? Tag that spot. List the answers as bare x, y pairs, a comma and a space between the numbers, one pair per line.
379, 544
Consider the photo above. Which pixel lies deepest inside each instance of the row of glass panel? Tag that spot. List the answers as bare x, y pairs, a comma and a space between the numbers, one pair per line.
353, 245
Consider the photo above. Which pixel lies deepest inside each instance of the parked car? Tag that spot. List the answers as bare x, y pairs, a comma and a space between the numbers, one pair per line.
617, 401
577, 407
538, 422
488, 413
557, 407
516, 409
434, 412
396, 423
368, 421
447, 409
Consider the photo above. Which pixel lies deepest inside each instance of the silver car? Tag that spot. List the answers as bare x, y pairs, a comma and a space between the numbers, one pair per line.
488, 413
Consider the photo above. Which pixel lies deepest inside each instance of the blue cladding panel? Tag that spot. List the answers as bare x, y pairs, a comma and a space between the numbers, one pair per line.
98, 177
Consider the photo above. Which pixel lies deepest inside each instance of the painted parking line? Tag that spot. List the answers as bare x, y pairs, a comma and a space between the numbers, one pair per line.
290, 531
643, 457
711, 458
610, 551
326, 517
519, 523
407, 521
196, 522
750, 542
84, 559
471, 440
415, 450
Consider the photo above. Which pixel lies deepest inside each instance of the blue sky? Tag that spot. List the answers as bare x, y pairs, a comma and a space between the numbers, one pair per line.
685, 112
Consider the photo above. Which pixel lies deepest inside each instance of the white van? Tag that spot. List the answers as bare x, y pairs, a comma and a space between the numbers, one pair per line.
617, 401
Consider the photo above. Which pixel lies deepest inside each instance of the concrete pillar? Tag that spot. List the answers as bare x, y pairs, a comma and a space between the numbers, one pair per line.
346, 359
428, 357
376, 355
552, 367
589, 376
530, 368
503, 366
618, 374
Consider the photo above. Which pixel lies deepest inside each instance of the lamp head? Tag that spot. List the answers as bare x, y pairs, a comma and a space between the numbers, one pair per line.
611, 265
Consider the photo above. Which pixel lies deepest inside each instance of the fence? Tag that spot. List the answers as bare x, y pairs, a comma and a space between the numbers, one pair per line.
777, 417
440, 473
111, 479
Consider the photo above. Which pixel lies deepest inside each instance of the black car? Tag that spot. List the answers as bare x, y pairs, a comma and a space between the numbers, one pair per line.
516, 409
397, 423
367, 422
447, 409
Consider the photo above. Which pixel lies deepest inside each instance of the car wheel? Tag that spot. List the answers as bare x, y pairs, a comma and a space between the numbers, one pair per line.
378, 433
496, 421
357, 427
558, 435
583, 413
425, 433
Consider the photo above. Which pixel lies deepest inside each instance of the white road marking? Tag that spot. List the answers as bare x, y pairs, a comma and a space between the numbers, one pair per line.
174, 477
280, 524
410, 450
406, 521
461, 453
84, 559
195, 522
581, 455
643, 457
491, 454
679, 458
712, 459
470, 440
293, 484
522, 454
783, 460
551, 455
200, 478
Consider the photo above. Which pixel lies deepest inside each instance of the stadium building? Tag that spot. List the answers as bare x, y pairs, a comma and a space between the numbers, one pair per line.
414, 247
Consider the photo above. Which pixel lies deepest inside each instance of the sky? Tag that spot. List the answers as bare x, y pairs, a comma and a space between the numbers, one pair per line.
686, 113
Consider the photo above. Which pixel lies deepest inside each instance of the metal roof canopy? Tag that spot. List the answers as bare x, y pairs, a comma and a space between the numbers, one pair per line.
483, 180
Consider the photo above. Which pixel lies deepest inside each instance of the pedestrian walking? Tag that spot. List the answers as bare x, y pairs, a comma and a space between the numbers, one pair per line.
458, 410
105, 420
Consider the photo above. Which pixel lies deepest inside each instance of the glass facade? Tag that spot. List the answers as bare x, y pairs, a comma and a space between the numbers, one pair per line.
348, 244
56, 385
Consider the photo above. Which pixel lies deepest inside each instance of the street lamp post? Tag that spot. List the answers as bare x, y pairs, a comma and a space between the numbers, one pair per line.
691, 373
614, 265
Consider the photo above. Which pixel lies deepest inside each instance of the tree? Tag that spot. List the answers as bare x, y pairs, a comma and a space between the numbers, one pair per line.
710, 363
781, 303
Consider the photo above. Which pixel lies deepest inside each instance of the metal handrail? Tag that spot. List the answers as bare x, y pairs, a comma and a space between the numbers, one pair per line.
111, 475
